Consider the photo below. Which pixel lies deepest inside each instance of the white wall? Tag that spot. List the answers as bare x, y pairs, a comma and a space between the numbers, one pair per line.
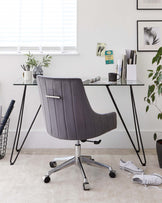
112, 22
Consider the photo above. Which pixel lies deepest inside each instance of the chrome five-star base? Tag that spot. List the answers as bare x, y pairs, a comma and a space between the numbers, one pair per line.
78, 159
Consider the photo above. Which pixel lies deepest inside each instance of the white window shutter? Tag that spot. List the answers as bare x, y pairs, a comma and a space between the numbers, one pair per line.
38, 25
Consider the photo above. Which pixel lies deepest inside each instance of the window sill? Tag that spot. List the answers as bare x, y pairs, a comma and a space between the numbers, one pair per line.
57, 53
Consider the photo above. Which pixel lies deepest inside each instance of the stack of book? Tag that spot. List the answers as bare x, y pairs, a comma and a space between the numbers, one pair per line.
128, 70
0, 114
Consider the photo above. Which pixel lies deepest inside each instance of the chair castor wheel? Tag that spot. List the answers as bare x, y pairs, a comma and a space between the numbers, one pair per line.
86, 186
52, 164
112, 174
46, 179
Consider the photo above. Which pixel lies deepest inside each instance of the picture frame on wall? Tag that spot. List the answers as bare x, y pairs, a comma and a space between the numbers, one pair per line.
149, 35
149, 4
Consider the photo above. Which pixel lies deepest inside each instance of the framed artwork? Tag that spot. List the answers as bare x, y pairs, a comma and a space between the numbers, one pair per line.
149, 35
149, 4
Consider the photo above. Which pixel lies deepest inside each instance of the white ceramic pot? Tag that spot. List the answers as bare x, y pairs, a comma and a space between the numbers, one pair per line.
28, 75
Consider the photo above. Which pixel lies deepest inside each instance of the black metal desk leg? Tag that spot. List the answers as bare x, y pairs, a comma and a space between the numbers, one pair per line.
20, 118
137, 127
136, 124
126, 129
18, 129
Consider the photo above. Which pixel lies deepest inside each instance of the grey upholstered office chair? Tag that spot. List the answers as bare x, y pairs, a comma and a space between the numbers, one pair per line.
69, 116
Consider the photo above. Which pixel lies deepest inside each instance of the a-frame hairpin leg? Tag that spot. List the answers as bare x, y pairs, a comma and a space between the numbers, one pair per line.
136, 125
18, 129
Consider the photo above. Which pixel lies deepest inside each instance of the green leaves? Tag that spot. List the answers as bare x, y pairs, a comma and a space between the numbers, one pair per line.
155, 76
155, 136
157, 58
151, 89
150, 75
153, 97
159, 116
147, 108
159, 68
150, 96
46, 60
32, 62
155, 88
159, 89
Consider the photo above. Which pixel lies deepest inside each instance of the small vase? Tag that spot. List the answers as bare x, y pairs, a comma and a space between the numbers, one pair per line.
27, 76
37, 71
159, 151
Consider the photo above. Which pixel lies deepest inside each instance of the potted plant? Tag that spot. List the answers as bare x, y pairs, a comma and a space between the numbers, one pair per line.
36, 65
153, 93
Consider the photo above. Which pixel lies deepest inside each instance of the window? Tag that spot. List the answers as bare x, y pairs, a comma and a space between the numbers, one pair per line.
38, 25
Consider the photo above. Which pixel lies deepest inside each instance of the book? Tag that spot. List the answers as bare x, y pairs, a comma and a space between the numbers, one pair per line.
129, 62
109, 59
0, 113
124, 68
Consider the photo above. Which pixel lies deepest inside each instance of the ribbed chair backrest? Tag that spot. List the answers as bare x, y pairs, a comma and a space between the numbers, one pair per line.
68, 114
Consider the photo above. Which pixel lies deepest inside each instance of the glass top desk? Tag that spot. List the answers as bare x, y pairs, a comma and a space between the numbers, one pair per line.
86, 82
103, 82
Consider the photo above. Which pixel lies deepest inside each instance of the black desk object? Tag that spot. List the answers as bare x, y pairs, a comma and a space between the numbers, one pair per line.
6, 116
102, 82
20, 119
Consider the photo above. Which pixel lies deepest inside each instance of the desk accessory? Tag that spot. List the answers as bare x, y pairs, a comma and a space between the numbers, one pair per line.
27, 76
95, 79
124, 68
131, 72
129, 61
92, 80
113, 77
119, 67
0, 113
4, 126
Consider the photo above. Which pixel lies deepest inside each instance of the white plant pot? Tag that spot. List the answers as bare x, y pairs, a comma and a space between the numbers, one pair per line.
28, 75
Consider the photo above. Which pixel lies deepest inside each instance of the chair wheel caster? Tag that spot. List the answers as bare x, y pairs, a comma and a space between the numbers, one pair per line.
86, 186
112, 174
53, 164
46, 179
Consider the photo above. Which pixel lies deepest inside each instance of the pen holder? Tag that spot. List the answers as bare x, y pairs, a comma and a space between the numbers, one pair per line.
131, 72
27, 75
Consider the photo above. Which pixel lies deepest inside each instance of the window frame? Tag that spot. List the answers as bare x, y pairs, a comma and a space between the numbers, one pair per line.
14, 50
